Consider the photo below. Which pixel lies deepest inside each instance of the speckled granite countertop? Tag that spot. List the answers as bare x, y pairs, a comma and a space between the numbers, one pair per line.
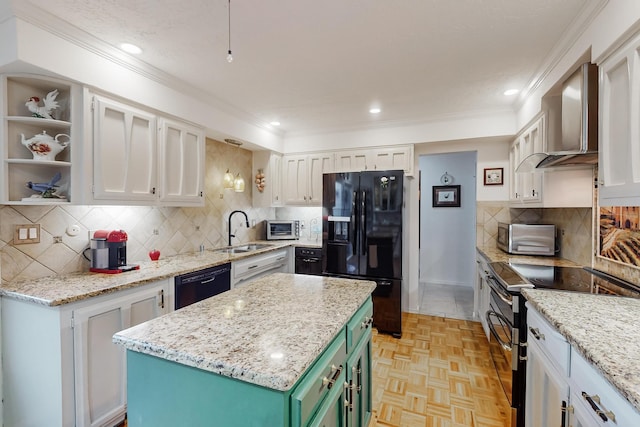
267, 332
68, 288
604, 329
493, 254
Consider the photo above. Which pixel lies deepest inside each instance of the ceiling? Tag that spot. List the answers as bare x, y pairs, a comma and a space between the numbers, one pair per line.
319, 66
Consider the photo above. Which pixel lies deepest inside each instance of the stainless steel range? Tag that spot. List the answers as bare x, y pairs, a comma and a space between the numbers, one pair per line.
507, 317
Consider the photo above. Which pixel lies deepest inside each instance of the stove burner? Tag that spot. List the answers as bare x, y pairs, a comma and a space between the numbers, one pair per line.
576, 279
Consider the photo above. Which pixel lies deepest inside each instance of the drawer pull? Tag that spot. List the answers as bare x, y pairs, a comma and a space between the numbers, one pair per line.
367, 322
593, 402
252, 267
330, 382
536, 333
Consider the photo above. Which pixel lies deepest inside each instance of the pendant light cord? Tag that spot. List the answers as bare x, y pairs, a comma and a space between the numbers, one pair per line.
229, 56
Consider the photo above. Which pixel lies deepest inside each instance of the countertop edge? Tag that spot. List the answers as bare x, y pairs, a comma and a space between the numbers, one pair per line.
132, 279
139, 340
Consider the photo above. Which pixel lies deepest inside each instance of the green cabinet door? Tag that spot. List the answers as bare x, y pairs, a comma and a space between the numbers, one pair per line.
358, 383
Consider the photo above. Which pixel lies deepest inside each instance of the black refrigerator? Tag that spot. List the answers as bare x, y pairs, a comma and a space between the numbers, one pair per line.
362, 237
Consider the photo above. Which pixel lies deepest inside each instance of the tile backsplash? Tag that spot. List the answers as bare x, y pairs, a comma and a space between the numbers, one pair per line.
172, 230
574, 226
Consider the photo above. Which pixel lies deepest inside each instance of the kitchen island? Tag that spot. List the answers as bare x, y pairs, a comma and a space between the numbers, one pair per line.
267, 353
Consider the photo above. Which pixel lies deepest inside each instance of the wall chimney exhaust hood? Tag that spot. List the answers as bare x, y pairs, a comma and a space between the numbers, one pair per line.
571, 124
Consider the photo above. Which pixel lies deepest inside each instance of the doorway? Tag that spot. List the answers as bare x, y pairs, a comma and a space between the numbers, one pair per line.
447, 234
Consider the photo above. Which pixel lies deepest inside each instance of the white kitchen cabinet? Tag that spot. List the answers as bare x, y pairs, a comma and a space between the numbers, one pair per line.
302, 178
545, 188
619, 150
18, 166
140, 158
527, 186
562, 388
376, 158
547, 388
181, 163
594, 401
270, 164
60, 360
124, 152
482, 292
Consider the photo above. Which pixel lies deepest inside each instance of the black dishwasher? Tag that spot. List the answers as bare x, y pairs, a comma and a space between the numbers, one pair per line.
309, 261
202, 284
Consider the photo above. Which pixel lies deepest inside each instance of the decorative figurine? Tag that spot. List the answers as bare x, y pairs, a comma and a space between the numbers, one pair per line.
45, 147
260, 180
47, 190
43, 112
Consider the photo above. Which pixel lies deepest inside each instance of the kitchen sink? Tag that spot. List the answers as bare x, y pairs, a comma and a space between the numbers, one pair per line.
244, 248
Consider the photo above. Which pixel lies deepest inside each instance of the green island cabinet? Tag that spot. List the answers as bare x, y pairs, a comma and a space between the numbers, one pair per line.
334, 391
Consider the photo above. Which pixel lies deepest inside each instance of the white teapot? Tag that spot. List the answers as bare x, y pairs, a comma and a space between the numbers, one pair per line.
45, 147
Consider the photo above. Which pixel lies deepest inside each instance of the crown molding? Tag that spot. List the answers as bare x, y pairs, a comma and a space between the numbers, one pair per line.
569, 38
26, 11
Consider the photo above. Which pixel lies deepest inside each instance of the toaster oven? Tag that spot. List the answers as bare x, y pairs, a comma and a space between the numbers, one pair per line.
527, 239
278, 229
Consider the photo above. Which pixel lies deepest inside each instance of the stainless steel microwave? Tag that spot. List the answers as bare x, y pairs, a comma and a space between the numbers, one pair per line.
278, 229
527, 239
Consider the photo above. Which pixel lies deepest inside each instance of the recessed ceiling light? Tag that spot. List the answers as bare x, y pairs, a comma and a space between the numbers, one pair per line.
374, 110
275, 123
130, 48
510, 92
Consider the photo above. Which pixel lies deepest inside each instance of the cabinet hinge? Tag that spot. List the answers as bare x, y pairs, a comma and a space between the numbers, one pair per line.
73, 322
93, 104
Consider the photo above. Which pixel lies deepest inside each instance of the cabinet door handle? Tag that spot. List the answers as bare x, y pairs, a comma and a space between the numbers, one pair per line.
161, 298
536, 333
330, 382
593, 401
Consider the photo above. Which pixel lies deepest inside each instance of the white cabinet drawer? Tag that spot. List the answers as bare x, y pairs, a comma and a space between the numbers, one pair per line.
247, 268
588, 385
552, 344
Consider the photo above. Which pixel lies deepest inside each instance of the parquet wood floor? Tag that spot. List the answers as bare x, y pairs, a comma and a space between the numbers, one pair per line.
439, 374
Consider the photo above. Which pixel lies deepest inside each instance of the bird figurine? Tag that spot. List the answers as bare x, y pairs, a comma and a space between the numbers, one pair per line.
46, 189
43, 112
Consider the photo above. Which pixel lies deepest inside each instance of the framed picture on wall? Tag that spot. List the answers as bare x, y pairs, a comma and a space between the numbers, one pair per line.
446, 196
493, 176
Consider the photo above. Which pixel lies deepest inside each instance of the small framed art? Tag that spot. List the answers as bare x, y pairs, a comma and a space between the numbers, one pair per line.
493, 176
446, 196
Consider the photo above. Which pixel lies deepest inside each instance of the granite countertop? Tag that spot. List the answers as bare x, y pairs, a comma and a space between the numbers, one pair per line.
604, 329
69, 288
493, 254
267, 332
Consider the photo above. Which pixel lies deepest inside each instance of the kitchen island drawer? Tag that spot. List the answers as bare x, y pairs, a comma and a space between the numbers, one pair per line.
325, 373
554, 345
359, 324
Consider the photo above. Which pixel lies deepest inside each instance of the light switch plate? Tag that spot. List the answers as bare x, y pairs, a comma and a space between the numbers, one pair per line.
26, 233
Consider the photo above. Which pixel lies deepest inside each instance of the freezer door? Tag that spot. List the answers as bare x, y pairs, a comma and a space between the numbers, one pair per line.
380, 202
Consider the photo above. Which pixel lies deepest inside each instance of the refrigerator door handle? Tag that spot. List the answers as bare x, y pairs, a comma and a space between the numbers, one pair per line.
354, 223
363, 224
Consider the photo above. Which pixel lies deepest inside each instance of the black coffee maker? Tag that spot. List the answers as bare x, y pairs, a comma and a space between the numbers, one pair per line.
109, 252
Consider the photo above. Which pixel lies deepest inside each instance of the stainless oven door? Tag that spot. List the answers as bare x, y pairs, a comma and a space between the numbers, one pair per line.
501, 339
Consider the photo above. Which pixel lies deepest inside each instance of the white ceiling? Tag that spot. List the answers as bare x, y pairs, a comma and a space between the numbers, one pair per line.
320, 65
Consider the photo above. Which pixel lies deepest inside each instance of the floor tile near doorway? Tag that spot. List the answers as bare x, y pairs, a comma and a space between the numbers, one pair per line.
452, 301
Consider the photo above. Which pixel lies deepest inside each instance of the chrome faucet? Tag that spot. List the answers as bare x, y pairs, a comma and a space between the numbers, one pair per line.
230, 215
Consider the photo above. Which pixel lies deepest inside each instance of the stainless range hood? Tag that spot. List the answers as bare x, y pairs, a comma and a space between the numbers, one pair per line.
571, 124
